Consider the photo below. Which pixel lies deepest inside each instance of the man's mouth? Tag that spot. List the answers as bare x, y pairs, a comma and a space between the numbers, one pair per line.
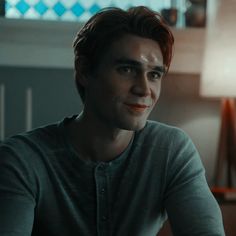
137, 107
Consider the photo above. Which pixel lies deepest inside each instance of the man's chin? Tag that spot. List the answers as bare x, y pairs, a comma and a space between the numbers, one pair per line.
135, 126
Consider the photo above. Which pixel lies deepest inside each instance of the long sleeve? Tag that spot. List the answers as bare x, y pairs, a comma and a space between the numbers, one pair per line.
16, 196
191, 207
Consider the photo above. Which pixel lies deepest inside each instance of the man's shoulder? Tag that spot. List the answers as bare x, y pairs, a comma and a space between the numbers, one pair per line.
159, 126
158, 129
161, 135
31, 153
40, 137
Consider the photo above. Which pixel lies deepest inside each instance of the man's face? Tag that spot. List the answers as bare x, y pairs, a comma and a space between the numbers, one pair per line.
127, 83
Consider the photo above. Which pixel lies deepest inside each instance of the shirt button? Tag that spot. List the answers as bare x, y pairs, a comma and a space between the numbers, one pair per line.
103, 190
104, 218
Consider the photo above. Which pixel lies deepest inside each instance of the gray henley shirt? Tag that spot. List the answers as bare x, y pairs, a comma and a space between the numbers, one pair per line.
47, 189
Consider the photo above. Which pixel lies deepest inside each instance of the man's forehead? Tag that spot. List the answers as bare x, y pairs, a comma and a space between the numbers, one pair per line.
135, 48
133, 41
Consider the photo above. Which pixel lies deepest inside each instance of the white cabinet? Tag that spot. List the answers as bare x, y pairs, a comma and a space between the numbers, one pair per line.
33, 43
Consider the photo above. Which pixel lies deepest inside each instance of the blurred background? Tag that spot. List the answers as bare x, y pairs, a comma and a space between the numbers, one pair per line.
36, 69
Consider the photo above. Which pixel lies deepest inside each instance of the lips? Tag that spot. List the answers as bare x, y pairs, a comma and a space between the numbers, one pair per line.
137, 107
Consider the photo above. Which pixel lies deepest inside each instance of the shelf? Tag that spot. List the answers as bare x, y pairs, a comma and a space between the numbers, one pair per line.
34, 43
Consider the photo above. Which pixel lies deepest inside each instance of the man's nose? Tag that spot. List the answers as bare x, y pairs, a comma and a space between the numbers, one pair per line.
141, 86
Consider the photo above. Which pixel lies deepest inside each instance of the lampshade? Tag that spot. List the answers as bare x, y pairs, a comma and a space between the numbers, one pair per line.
218, 78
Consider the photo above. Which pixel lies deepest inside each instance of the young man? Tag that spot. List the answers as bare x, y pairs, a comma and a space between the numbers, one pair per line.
109, 171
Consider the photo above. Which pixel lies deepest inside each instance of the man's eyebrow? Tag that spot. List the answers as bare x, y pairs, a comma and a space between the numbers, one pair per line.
160, 69
137, 63
127, 61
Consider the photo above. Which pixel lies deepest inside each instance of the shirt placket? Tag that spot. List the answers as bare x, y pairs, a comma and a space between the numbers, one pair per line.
103, 218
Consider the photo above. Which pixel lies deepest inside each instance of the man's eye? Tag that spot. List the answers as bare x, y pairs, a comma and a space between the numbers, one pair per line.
155, 75
125, 69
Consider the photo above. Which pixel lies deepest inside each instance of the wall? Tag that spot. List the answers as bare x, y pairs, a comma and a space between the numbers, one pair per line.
54, 96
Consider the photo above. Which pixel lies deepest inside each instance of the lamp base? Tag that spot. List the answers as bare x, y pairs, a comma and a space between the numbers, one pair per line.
227, 144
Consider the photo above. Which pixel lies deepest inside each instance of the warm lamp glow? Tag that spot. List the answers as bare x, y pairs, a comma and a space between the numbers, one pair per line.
219, 62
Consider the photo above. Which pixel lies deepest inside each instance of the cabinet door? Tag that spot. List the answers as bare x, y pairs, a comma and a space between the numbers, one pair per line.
34, 97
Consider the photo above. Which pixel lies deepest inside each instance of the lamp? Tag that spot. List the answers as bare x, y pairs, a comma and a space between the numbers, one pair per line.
218, 79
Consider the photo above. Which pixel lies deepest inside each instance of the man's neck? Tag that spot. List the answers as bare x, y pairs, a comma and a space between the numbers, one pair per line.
97, 142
